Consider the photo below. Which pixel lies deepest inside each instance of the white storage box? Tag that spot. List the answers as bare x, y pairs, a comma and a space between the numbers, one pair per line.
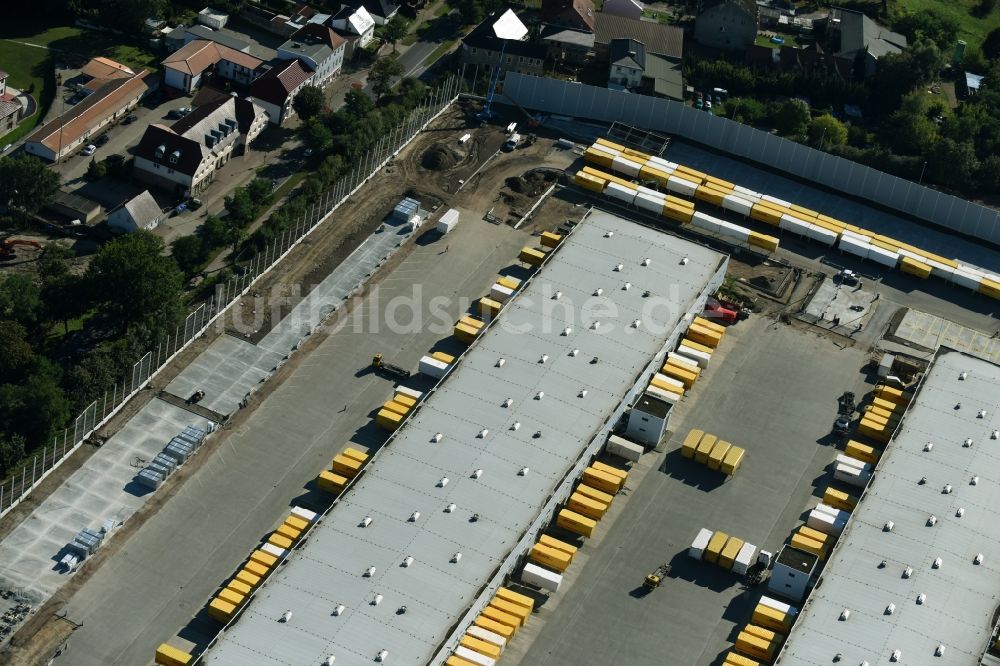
824, 236
448, 221
681, 186
626, 166
854, 246
730, 230
696, 355
305, 514
700, 543
620, 446
744, 559
488, 636
825, 523
668, 380
432, 367
737, 204
852, 475
776, 200
539, 577
620, 192
683, 360
651, 203
474, 657
705, 222
413, 393
746, 191
666, 396
779, 606
882, 256
966, 276
500, 293
844, 459
794, 224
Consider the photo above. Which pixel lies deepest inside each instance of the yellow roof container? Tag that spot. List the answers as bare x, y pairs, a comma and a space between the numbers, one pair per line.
229, 596
808, 545
601, 141
763, 241
494, 626
257, 568
681, 203
898, 396
710, 325
263, 558
697, 346
732, 461
638, 156
396, 407
760, 632
729, 552
576, 523
714, 547
754, 646
839, 499
279, 541
471, 322
553, 542
168, 655
288, 532
531, 256
221, 611
736, 659
815, 535
610, 178
710, 195
387, 419
549, 239
677, 213
501, 617
648, 172
520, 612
887, 405
718, 454
704, 335
772, 618
455, 660
487, 306
916, 268
598, 157
509, 282
861, 452
692, 174
720, 184
330, 482
513, 597
601, 480
804, 211
988, 287
704, 448
246, 577
666, 386
549, 557
683, 375
346, 466
762, 212
594, 493
443, 357
614, 471
690, 443
361, 456
482, 647
239, 587
587, 506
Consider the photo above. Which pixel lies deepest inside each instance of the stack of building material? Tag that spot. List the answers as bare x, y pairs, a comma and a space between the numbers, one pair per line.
167, 655
729, 552
811, 541
758, 643
624, 448
705, 332
709, 450
468, 328
828, 520
774, 615
448, 221
852, 471
697, 352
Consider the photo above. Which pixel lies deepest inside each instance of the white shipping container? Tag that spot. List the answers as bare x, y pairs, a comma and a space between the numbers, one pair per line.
824, 236
833, 511
681, 186
943, 271
448, 221
274, 550
854, 246
620, 446
776, 200
620, 192
696, 355
626, 166
744, 559
700, 543
488, 636
737, 204
669, 380
705, 221
779, 606
500, 293
413, 393
642, 189
539, 577
967, 277
653, 204
474, 657
730, 230
682, 360
882, 256
746, 191
824, 523
852, 475
855, 235
662, 164
844, 459
304, 514
432, 367
666, 396
794, 224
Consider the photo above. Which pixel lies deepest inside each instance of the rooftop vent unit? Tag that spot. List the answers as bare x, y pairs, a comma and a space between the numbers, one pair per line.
443, 482
922, 481
962, 376
407, 561
574, 352
890, 609
450, 508
967, 443
636, 323
845, 615
415, 516
366, 521
596, 325
582, 393
501, 362
929, 446
456, 558
508, 402
947, 489
377, 599
619, 267
329, 660
995, 434
369, 572
523, 471
907, 572
896, 655
544, 358
478, 473
960, 511
931, 520
626, 286
567, 330
921, 598
937, 563
609, 234
888, 526
646, 261
174, 156
684, 261
539, 395
231, 122
515, 425
981, 414
218, 134
598, 291
939, 650
338, 610
382, 655
483, 433
210, 140
436, 438
556, 296
974, 481
286, 616
978, 559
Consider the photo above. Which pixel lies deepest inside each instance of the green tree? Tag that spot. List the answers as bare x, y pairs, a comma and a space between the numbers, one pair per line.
929, 23
54, 262
12, 449
382, 73
953, 163
991, 45
746, 110
189, 252
309, 102
16, 353
26, 183
260, 192
137, 284
411, 92
826, 132
989, 174
394, 30
241, 208
96, 170
357, 104
45, 409
316, 135
792, 118
21, 301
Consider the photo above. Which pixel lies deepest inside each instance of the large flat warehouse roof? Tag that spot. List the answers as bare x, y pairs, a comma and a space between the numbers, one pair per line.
536, 336
867, 571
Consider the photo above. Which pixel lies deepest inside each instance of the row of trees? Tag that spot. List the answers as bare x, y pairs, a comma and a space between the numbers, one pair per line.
129, 299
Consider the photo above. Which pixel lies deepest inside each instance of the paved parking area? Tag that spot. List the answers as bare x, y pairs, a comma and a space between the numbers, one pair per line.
101, 489
849, 306
177, 559
929, 332
772, 390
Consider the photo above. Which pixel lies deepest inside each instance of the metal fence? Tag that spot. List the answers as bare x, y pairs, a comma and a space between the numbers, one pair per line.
34, 470
583, 101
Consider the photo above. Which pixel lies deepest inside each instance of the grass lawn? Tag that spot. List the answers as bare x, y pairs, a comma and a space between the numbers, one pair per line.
29, 69
761, 40
974, 28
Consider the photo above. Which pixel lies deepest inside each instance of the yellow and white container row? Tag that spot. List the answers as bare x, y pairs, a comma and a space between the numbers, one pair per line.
714, 453
881, 417
486, 639
345, 466
535, 256
590, 501
468, 328
670, 207
829, 231
683, 366
729, 552
228, 601
758, 642
168, 655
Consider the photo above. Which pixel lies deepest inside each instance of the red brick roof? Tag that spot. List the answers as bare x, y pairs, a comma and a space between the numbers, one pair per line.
278, 83
197, 56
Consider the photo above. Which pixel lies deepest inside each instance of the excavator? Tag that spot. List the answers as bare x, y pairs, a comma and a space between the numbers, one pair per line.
7, 246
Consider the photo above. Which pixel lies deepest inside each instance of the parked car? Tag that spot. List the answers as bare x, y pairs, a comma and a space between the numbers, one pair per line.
6, 148
708, 105
89, 150
101, 140
179, 113
130, 118
194, 204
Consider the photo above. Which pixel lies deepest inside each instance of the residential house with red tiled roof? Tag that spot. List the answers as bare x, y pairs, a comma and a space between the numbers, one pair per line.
185, 68
74, 129
10, 107
276, 89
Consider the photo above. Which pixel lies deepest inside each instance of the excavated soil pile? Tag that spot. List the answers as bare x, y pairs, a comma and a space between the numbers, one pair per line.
440, 158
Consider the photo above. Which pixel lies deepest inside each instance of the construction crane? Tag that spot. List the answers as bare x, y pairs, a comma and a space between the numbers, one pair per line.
7, 246
506, 28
